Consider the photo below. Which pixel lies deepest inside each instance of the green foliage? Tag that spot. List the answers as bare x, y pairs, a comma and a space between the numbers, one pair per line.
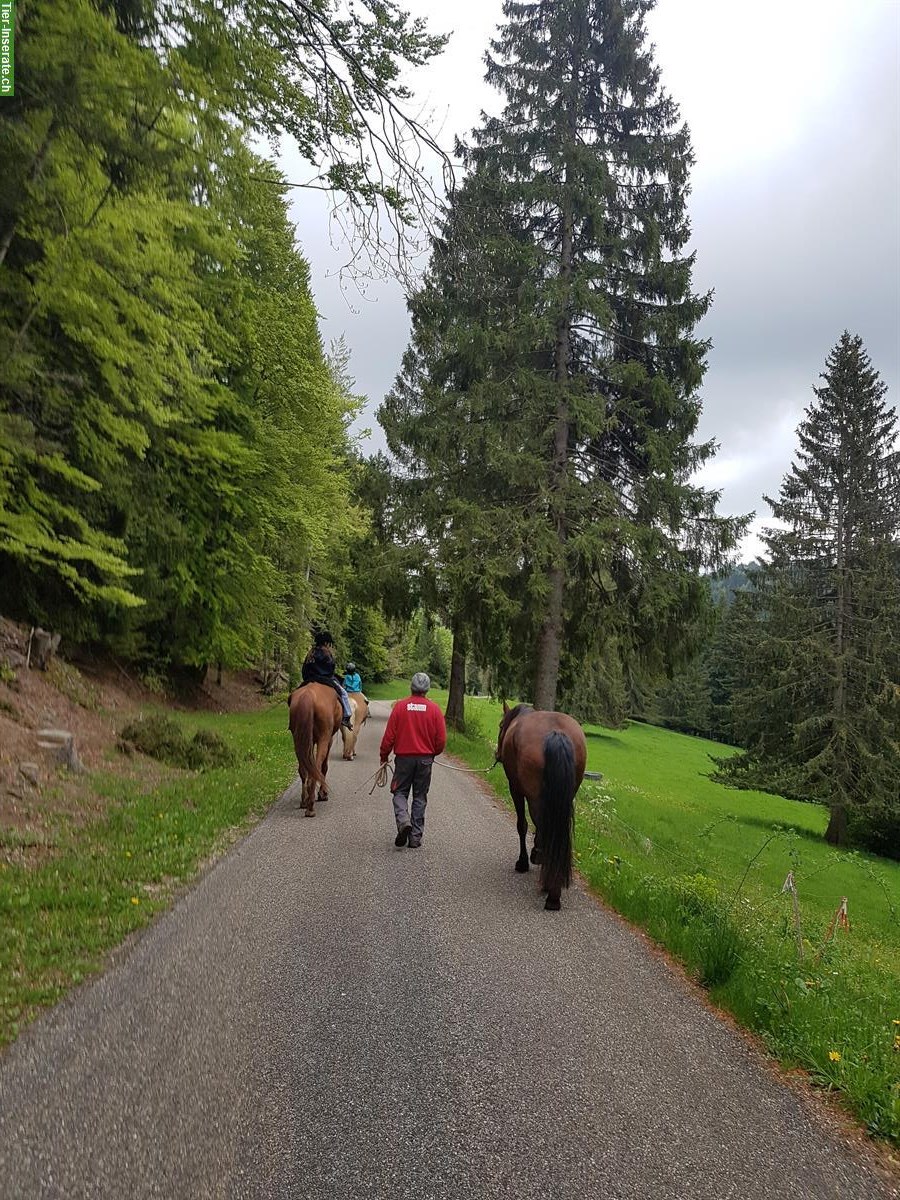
428, 648
175, 476
702, 697
162, 738
367, 637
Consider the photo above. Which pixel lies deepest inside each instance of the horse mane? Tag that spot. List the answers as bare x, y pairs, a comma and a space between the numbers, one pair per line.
510, 716
518, 710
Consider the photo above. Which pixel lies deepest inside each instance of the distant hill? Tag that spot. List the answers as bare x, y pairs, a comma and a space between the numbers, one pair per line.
738, 579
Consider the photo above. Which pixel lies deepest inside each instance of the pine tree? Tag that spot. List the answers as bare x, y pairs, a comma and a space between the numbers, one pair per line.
821, 709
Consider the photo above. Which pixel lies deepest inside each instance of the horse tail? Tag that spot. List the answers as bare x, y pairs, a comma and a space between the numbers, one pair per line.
306, 758
304, 744
558, 789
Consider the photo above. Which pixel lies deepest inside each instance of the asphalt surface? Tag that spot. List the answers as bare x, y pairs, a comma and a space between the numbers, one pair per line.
327, 1016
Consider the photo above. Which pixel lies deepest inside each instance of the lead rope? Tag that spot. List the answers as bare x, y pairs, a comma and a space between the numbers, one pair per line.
468, 770
380, 777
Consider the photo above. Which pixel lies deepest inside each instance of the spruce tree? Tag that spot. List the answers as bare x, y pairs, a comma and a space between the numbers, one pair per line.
462, 493
820, 712
567, 318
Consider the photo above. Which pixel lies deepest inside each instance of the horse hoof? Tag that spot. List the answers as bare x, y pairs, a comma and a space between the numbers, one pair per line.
322, 799
522, 865
309, 812
537, 857
552, 905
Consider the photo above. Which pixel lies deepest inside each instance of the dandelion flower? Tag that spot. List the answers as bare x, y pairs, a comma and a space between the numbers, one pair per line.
895, 1022
834, 1055
135, 900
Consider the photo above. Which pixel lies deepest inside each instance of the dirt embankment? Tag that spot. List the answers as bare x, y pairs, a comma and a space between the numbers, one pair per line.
91, 700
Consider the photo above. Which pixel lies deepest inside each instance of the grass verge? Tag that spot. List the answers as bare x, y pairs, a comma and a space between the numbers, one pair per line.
106, 877
701, 868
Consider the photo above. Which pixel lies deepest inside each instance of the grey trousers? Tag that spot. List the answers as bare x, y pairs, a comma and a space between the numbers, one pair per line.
411, 772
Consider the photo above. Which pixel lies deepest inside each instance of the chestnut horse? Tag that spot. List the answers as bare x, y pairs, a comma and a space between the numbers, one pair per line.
544, 756
315, 717
359, 707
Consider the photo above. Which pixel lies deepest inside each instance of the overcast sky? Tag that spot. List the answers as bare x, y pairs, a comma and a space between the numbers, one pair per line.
794, 109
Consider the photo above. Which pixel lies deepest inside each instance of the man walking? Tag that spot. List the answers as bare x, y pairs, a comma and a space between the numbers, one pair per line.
417, 734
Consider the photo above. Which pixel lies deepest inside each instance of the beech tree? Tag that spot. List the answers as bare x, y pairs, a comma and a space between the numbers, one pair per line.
174, 466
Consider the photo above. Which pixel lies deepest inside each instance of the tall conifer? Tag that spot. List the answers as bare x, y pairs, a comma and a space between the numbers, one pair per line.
820, 711
569, 323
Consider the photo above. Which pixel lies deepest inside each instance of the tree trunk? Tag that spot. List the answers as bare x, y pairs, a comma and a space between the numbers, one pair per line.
840, 619
33, 172
550, 642
456, 712
836, 833
550, 639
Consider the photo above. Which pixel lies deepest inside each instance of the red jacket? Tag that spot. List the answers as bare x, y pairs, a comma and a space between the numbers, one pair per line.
415, 726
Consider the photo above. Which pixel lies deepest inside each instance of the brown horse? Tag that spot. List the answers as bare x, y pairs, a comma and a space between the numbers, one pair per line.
359, 707
544, 756
315, 717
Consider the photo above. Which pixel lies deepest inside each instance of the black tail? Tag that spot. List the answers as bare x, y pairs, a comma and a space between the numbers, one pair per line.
557, 811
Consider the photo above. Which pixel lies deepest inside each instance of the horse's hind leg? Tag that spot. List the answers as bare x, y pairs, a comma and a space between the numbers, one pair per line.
537, 851
522, 828
322, 759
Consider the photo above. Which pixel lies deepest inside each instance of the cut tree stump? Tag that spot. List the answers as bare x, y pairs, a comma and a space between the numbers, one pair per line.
60, 744
43, 646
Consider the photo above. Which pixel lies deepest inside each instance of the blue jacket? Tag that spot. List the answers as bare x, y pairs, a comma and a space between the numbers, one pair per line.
353, 683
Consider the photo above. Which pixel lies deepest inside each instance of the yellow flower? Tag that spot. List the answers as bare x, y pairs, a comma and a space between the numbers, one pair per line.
834, 1055
895, 1022
897, 1042
128, 854
135, 900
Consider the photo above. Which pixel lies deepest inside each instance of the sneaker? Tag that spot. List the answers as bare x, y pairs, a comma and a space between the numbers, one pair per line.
415, 843
402, 835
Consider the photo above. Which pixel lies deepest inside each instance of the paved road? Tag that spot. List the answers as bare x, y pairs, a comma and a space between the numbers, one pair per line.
325, 1016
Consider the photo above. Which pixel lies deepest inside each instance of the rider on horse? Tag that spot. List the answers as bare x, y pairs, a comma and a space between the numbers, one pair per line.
352, 681
319, 667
